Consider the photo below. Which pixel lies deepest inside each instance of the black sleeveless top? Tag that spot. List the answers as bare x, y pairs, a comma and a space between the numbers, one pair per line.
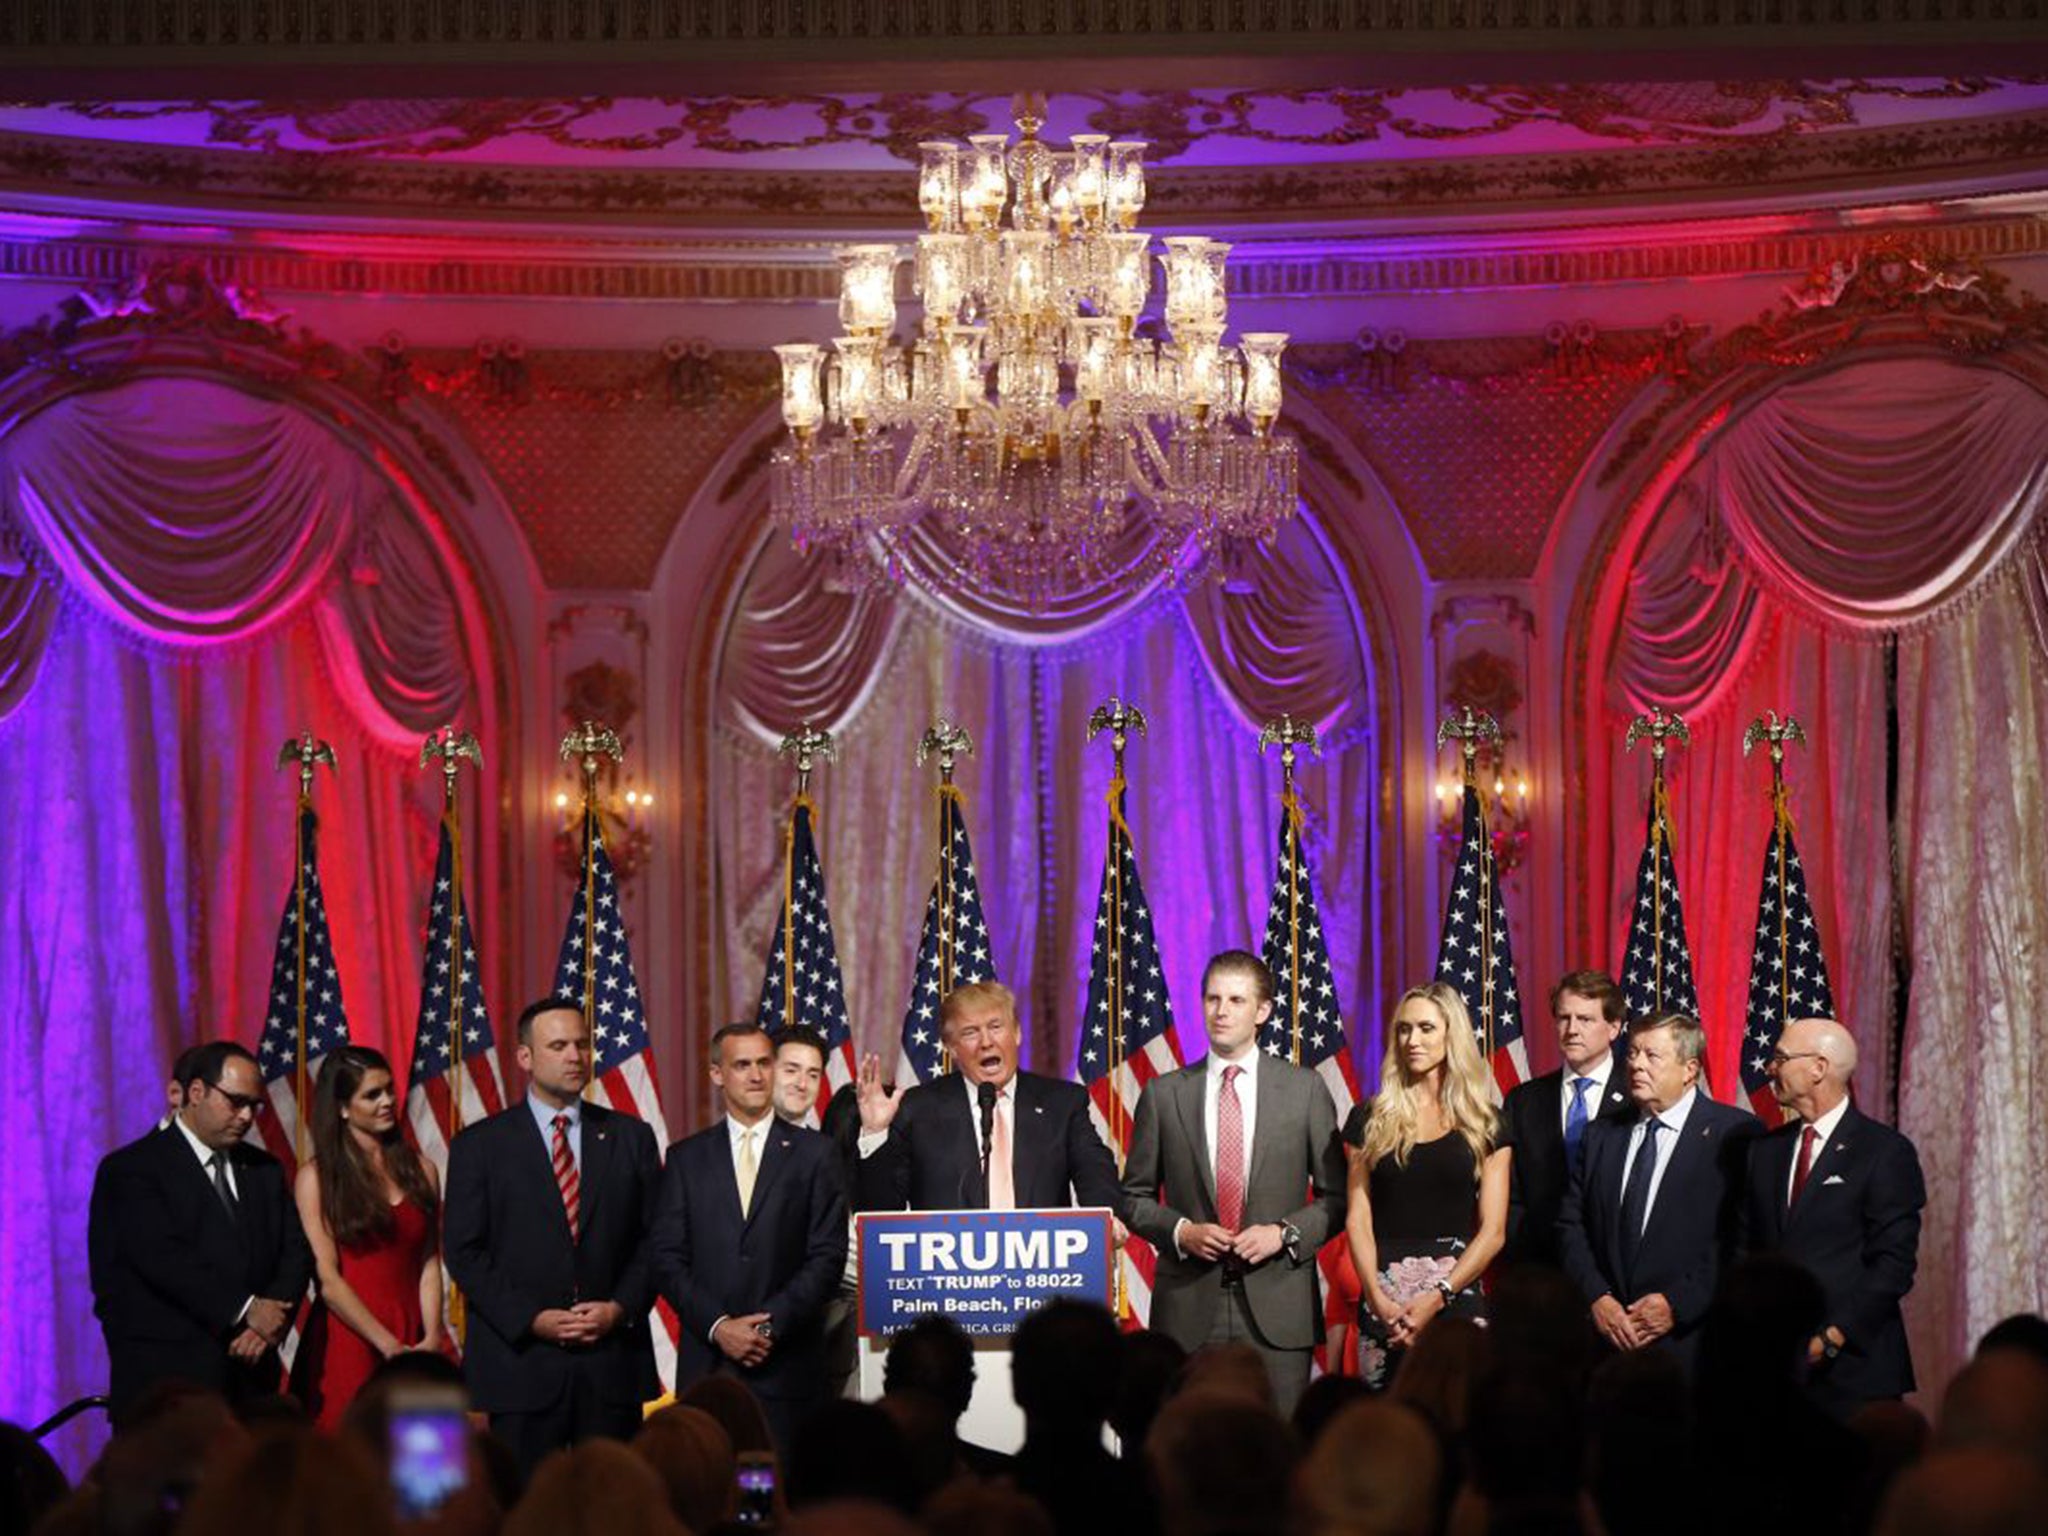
1435, 1196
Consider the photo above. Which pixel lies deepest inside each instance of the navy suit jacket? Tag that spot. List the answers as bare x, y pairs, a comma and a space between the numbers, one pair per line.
171, 1269
507, 1242
932, 1159
784, 1257
1856, 1228
1691, 1228
1532, 1124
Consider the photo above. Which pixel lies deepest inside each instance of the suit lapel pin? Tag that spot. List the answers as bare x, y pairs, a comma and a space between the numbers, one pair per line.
1038, 1109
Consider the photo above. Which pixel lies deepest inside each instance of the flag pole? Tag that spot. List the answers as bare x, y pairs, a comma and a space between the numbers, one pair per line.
590, 742
1660, 728
451, 747
304, 751
946, 741
1119, 719
1471, 729
807, 748
1291, 734
1769, 728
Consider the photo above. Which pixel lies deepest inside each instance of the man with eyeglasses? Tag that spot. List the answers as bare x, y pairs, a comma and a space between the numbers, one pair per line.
1841, 1195
197, 1256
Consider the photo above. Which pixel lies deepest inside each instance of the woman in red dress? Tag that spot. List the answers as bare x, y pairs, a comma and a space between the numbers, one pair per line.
370, 1205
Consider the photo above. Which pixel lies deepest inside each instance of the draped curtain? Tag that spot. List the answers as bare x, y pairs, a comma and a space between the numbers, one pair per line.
1896, 499
197, 574
1207, 667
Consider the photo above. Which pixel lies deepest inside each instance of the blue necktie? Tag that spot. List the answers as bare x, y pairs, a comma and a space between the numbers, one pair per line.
1575, 1122
1635, 1200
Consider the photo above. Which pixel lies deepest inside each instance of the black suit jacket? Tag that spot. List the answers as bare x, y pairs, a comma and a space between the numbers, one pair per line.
1856, 1228
507, 1243
171, 1269
1532, 1121
1691, 1228
784, 1257
932, 1159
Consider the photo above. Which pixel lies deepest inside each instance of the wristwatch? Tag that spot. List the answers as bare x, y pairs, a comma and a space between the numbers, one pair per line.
1290, 1239
1445, 1290
1829, 1349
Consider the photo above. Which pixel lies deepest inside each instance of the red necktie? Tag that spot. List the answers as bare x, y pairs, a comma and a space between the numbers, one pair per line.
1807, 1138
566, 1178
1229, 1151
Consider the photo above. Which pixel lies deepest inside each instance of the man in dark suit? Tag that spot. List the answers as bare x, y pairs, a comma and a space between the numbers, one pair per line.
1244, 1147
1650, 1216
546, 1230
1839, 1194
750, 1238
1545, 1119
924, 1148
197, 1257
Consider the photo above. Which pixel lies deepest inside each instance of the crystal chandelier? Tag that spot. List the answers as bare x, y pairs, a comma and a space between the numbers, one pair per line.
1033, 409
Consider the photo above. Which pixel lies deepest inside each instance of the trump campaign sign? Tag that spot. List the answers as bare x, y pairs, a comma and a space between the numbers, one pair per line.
982, 1270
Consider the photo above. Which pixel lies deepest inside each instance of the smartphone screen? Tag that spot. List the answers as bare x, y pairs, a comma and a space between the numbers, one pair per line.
757, 1488
429, 1451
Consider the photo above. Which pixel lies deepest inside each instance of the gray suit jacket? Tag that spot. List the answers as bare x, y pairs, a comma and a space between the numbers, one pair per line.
1297, 1175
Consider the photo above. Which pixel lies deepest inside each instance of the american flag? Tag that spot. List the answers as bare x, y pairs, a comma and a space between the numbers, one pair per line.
1124, 1048
1788, 975
277, 1052
622, 1056
1657, 973
953, 950
801, 987
455, 1079
1476, 954
1307, 1025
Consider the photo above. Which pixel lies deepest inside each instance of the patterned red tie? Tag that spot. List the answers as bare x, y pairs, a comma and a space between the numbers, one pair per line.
566, 1178
1807, 1138
1229, 1151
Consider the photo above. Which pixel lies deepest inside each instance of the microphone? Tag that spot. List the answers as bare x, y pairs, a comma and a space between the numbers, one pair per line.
985, 1094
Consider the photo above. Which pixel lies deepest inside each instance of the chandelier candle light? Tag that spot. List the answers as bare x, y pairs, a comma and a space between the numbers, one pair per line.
1032, 409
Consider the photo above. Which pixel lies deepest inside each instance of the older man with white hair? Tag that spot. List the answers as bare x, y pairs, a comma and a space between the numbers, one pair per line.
1840, 1194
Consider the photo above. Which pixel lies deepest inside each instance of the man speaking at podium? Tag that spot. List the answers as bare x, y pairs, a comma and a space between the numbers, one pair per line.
984, 1136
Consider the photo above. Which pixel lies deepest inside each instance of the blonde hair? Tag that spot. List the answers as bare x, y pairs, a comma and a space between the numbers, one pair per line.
971, 997
1395, 1122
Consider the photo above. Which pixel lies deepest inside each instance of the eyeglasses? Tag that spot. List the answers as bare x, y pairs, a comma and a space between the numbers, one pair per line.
1779, 1058
238, 1103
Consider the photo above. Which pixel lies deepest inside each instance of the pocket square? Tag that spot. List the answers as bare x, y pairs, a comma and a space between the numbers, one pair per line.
1833, 1178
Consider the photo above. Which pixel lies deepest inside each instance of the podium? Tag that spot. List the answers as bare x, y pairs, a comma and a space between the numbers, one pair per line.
985, 1271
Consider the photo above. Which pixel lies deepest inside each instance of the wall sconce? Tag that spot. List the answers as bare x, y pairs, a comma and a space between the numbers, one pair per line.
628, 824
1507, 813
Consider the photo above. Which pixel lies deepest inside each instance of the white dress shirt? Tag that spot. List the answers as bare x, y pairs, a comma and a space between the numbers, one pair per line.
206, 1154
1825, 1129
735, 1133
1673, 1122
1596, 1091
1247, 1087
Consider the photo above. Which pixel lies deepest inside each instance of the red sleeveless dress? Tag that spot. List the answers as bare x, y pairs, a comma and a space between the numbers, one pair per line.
384, 1272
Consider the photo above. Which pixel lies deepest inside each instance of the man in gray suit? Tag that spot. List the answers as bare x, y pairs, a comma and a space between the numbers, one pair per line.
1245, 1145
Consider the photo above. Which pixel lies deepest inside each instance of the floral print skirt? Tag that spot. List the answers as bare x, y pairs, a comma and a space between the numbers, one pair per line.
1408, 1269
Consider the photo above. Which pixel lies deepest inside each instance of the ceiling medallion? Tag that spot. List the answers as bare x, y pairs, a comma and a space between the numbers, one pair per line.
1036, 409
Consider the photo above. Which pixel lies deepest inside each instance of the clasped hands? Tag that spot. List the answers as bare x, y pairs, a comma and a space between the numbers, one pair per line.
262, 1328
1644, 1321
1404, 1322
742, 1340
1212, 1241
585, 1323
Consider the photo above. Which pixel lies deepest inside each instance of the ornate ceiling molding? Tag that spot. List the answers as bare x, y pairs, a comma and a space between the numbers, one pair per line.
772, 273
725, 29
1951, 157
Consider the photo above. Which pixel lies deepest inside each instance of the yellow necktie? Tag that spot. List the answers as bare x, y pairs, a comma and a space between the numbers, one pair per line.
747, 1171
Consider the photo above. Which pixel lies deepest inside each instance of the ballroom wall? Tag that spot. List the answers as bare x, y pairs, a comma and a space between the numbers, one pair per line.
366, 482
